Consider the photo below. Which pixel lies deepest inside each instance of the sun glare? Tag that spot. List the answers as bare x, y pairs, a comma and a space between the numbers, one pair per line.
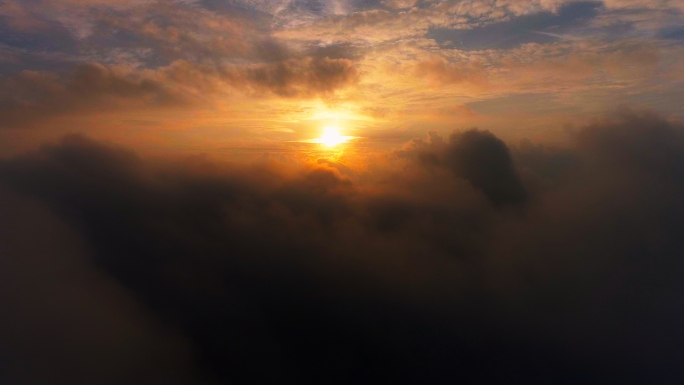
331, 137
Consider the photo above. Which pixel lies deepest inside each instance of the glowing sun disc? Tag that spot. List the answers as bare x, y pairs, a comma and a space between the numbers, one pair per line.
331, 137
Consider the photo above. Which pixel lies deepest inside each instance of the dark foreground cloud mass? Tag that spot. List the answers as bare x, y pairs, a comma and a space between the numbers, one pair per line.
469, 261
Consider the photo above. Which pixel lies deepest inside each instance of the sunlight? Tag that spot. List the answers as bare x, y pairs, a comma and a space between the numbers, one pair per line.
331, 137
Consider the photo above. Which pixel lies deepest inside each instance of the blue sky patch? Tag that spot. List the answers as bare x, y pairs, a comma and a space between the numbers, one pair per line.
539, 28
672, 33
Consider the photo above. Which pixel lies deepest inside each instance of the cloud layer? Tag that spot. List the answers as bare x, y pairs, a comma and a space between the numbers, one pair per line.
460, 260
468, 255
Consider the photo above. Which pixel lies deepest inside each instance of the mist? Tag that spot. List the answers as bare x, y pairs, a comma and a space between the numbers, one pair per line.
461, 258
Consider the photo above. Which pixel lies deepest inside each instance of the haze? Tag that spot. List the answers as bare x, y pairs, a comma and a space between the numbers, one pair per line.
341, 191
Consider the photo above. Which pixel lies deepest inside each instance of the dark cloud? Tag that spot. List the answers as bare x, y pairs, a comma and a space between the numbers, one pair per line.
297, 77
271, 50
484, 160
63, 322
412, 274
91, 87
477, 156
337, 51
33, 95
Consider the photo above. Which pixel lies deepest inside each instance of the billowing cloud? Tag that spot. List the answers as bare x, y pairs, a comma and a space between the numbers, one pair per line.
416, 269
479, 157
67, 323
542, 247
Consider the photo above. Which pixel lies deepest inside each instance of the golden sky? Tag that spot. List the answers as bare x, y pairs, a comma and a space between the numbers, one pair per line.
204, 192
253, 77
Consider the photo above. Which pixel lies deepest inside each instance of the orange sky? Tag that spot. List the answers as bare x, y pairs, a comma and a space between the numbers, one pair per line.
200, 192
254, 77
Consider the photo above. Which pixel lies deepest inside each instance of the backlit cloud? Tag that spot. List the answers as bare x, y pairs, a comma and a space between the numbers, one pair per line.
458, 244
181, 203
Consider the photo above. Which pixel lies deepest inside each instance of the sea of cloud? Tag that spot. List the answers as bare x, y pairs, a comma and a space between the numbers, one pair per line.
462, 258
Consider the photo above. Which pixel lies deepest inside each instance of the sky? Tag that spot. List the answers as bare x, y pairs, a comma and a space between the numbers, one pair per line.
341, 191
253, 76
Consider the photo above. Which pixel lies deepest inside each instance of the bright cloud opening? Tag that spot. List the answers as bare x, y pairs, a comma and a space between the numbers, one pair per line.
331, 137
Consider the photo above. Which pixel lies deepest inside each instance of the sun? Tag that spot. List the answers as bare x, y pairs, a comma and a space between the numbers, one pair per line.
331, 137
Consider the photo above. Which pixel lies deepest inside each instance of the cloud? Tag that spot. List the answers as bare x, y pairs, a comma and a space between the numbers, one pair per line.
641, 4
400, 3
92, 87
516, 31
65, 322
208, 53
477, 156
374, 26
33, 95
442, 72
566, 70
417, 270
297, 77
